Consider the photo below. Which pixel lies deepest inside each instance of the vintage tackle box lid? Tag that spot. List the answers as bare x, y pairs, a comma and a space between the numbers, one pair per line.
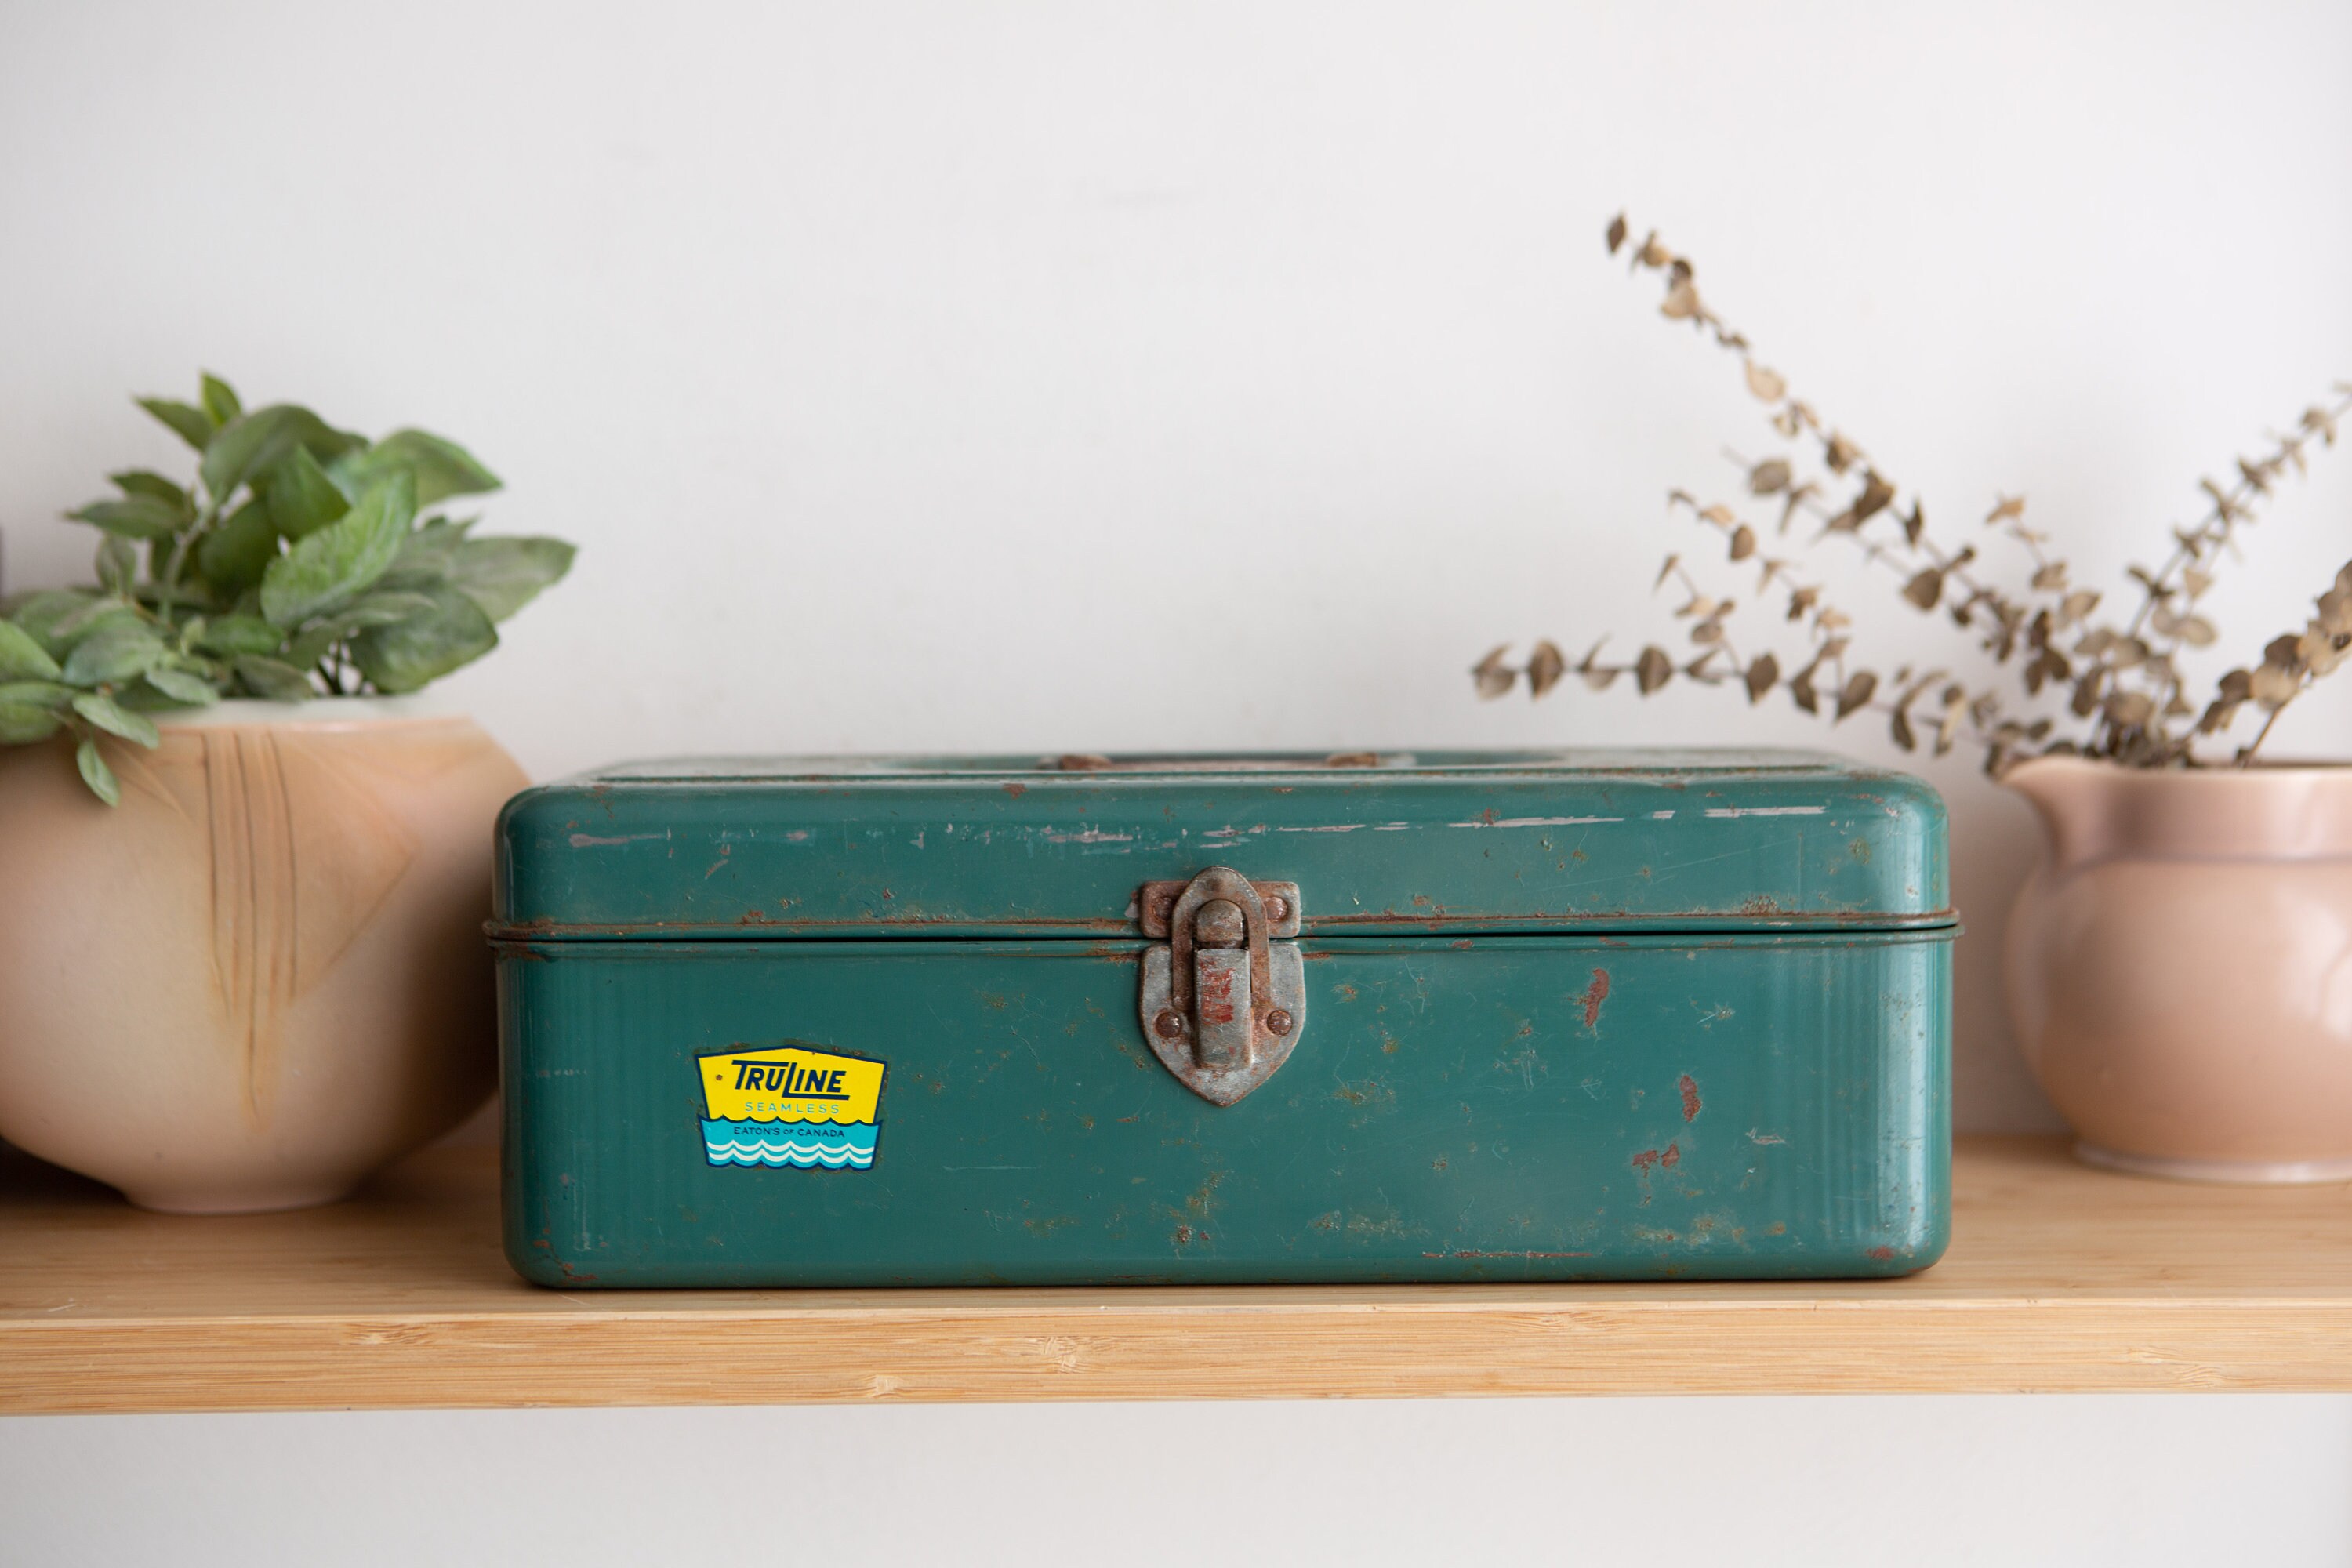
1388, 843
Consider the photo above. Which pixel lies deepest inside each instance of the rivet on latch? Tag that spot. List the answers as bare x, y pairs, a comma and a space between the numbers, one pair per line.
1278, 1021
1168, 1026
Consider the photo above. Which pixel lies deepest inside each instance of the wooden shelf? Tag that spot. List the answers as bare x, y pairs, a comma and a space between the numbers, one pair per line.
2060, 1277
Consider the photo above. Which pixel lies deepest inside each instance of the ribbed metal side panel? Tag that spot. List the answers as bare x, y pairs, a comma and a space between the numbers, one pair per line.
1507, 1108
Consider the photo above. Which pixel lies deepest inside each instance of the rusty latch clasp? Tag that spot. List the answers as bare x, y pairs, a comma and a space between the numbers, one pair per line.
1223, 999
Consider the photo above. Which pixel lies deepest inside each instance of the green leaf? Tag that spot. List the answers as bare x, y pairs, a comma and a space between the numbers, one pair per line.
233, 634
253, 443
37, 694
189, 423
22, 655
427, 556
22, 725
309, 649
234, 556
441, 469
406, 655
220, 400
502, 576
180, 687
382, 610
302, 498
95, 773
111, 717
117, 566
42, 614
146, 482
112, 654
273, 679
94, 617
134, 516
341, 561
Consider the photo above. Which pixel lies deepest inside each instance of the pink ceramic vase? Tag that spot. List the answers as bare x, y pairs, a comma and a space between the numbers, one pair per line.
2180, 970
262, 976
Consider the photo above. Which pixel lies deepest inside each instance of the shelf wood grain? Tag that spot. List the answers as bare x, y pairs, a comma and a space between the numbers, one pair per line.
2060, 1277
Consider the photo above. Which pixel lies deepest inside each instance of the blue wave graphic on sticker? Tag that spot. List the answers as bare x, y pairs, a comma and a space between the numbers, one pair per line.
798, 1144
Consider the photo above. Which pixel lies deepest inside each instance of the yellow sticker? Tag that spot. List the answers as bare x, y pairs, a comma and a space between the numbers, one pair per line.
790, 1105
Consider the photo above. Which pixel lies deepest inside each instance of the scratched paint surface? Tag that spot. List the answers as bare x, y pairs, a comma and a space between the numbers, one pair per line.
1487, 1108
1442, 842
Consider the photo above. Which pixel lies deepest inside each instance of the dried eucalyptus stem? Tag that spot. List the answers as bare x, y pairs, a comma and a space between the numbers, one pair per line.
2125, 681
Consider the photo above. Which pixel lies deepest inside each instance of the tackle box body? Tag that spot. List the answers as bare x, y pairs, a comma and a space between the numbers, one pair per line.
1384, 1017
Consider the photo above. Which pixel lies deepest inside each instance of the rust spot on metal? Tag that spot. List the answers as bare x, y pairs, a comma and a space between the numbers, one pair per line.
1466, 944
1666, 1158
1594, 994
1884, 1254
1761, 904
1199, 1202
1672, 1157
1016, 790
1689, 1088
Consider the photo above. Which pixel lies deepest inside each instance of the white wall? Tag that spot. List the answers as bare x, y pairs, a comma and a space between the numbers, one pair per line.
910, 375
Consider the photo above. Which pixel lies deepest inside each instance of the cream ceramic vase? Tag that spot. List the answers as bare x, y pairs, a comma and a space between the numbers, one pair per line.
2180, 970
262, 976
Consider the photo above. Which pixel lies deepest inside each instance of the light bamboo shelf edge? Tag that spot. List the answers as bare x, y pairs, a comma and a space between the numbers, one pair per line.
2059, 1278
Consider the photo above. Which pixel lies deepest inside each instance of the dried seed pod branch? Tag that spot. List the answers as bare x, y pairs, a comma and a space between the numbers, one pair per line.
2131, 685
2292, 665
1822, 681
2125, 681
1931, 570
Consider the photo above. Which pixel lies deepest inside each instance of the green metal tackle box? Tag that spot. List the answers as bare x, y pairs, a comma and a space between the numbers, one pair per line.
1376, 1016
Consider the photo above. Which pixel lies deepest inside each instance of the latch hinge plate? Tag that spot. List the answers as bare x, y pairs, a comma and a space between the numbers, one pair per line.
1223, 1000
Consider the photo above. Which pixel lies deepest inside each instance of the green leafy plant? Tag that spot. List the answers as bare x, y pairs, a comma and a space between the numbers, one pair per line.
304, 560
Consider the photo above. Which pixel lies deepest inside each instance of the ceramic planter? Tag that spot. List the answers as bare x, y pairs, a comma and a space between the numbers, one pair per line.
2180, 970
262, 976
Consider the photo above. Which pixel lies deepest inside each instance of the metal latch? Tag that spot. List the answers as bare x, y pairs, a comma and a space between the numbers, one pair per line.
1224, 1000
